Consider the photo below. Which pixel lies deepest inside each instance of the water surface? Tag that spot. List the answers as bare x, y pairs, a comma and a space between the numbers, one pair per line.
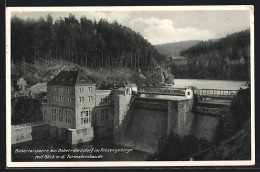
209, 84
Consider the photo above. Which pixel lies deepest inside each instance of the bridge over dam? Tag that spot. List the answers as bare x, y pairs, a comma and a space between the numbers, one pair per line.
151, 113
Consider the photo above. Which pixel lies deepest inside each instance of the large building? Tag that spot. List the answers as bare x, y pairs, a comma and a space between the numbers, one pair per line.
74, 107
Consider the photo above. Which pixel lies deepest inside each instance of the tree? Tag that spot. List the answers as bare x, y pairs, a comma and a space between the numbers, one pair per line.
241, 107
21, 83
176, 148
26, 110
98, 44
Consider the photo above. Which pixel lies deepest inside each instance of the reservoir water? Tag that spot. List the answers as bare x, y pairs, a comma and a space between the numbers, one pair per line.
209, 84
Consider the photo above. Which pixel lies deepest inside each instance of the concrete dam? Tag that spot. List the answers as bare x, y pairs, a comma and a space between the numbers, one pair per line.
150, 117
146, 125
140, 120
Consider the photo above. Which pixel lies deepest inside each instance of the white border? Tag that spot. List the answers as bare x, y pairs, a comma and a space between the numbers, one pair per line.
125, 163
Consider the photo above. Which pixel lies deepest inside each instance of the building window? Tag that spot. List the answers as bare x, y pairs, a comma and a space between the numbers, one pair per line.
60, 89
85, 116
61, 98
69, 120
44, 115
66, 117
81, 89
81, 99
60, 118
69, 90
90, 98
53, 117
60, 115
104, 114
52, 97
69, 99
90, 89
105, 100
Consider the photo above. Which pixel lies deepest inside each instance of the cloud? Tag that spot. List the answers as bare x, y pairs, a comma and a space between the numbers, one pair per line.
120, 16
158, 31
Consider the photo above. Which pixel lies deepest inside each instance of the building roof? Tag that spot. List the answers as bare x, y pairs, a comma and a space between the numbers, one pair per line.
102, 92
70, 78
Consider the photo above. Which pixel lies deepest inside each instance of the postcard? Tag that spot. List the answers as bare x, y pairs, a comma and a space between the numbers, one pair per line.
130, 86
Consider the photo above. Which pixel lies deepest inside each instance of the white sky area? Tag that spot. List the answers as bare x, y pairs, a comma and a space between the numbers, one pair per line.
165, 26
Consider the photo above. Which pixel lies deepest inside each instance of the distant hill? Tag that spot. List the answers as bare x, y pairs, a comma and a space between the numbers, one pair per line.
173, 49
234, 47
227, 58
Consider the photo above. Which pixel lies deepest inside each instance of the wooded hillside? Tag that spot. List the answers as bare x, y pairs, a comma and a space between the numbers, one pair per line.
226, 58
88, 43
174, 49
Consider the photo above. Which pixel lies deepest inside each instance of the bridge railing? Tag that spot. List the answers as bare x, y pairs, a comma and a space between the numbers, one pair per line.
216, 92
181, 91
161, 90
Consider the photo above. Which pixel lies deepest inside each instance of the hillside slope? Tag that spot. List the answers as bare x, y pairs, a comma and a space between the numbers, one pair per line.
237, 147
43, 71
227, 58
174, 49
90, 43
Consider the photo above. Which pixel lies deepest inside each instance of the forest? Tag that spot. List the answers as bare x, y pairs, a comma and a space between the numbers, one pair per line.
101, 44
92, 44
227, 58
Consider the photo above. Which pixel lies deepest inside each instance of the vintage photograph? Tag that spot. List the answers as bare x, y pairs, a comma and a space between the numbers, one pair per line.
130, 86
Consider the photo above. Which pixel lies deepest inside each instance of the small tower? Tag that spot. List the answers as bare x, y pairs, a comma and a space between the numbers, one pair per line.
189, 93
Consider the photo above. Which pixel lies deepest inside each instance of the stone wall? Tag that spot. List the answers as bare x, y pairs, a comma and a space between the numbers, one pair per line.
103, 120
76, 136
205, 126
72, 136
102, 131
27, 132
121, 109
180, 117
172, 116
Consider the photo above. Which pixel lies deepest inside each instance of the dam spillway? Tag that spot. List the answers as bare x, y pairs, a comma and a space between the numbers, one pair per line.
148, 123
150, 117
145, 128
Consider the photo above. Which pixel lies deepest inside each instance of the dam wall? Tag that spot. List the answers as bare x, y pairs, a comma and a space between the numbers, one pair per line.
151, 118
180, 117
204, 126
121, 119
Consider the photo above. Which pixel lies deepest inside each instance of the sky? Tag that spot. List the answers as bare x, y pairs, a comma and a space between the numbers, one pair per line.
160, 27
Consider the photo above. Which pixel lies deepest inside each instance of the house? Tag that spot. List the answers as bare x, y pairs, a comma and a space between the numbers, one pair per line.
74, 108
